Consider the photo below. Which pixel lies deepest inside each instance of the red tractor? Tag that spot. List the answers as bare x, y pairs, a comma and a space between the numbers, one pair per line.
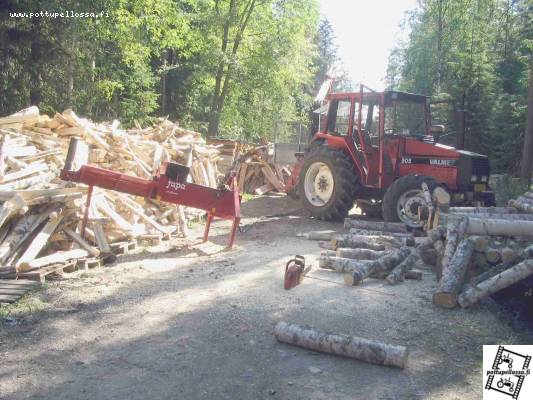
377, 149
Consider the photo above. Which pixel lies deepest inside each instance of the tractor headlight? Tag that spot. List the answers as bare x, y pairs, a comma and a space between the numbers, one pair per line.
473, 179
484, 178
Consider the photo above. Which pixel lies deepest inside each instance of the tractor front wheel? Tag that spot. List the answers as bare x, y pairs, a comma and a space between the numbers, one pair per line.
328, 183
404, 197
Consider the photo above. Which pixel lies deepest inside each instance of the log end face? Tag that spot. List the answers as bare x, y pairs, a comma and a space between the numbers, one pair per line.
445, 300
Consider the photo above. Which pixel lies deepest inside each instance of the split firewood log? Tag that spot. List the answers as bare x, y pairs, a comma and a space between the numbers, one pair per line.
473, 294
381, 265
453, 275
375, 225
56, 257
398, 273
343, 345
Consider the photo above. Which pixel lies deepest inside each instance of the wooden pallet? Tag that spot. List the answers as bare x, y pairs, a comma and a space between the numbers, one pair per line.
85, 263
123, 247
39, 275
11, 290
149, 240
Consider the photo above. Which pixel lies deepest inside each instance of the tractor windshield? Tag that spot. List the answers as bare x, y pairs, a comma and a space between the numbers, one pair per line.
405, 116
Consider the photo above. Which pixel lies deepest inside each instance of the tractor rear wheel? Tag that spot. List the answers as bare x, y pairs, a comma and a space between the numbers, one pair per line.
328, 183
404, 196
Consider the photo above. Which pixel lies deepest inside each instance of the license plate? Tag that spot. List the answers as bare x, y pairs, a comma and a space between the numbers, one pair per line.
480, 187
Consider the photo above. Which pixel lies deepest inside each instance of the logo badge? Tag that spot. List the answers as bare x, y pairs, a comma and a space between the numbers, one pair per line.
506, 372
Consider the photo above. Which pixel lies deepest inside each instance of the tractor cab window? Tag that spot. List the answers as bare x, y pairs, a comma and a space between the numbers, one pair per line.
370, 120
339, 117
405, 118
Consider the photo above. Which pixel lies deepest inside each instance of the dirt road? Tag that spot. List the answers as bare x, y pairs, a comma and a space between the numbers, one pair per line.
195, 323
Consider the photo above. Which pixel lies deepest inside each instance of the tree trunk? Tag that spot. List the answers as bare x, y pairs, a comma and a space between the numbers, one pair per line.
398, 273
396, 227
481, 210
496, 283
317, 235
358, 242
367, 232
439, 247
383, 264
527, 152
414, 274
522, 204
453, 275
342, 345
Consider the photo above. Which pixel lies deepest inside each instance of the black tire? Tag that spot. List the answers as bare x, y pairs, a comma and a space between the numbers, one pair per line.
398, 188
345, 183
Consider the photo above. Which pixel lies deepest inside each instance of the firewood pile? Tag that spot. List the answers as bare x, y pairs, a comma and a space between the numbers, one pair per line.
40, 215
477, 252
256, 172
370, 249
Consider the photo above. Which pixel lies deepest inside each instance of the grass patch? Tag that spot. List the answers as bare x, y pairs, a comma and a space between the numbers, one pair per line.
247, 197
30, 303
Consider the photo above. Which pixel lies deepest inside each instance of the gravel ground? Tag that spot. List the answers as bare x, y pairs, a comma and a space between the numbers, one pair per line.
191, 321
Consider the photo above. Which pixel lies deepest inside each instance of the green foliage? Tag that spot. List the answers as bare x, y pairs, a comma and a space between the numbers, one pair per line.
146, 58
480, 49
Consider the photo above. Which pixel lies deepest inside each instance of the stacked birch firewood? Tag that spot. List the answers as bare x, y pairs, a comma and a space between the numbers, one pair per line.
40, 214
257, 174
477, 252
370, 249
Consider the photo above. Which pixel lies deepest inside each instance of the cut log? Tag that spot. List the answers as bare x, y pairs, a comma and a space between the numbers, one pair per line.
131, 205
182, 221
100, 238
381, 265
318, 235
482, 210
3, 154
363, 242
328, 260
54, 258
375, 225
480, 243
439, 247
515, 274
359, 254
444, 218
455, 232
414, 274
499, 227
366, 232
441, 198
521, 205
453, 275
398, 273
493, 255
342, 345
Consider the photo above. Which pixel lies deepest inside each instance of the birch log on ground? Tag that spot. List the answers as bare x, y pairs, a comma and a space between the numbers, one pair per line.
396, 235
521, 205
317, 235
455, 232
381, 265
359, 254
398, 273
358, 242
339, 264
444, 218
382, 226
414, 274
482, 210
499, 227
439, 247
515, 274
343, 345
425, 247
453, 275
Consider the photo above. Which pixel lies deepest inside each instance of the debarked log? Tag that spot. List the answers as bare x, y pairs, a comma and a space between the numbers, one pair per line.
343, 345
